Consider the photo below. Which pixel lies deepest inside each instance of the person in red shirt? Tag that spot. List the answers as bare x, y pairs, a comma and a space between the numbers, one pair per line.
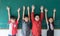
36, 22
13, 23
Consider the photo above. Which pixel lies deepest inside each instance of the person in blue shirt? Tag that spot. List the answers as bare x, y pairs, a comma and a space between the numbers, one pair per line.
26, 23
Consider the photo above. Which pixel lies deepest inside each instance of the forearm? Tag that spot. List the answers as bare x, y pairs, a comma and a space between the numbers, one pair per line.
9, 14
8, 9
28, 12
32, 13
41, 16
54, 16
18, 16
46, 17
54, 13
23, 15
23, 12
29, 15
32, 16
42, 11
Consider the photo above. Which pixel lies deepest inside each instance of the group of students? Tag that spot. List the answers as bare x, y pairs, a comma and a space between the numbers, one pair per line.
26, 21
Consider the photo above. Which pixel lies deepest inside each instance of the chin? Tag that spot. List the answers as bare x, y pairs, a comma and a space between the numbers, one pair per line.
26, 21
37, 20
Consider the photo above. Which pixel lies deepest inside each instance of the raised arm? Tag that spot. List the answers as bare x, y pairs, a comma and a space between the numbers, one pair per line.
32, 13
42, 13
18, 14
54, 13
8, 9
28, 12
23, 12
46, 16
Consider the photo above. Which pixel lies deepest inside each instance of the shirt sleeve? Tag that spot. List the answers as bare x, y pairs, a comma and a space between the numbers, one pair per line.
41, 16
9, 21
32, 16
16, 22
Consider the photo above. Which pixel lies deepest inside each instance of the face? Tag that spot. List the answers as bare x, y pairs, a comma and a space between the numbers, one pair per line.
26, 19
50, 20
37, 18
13, 20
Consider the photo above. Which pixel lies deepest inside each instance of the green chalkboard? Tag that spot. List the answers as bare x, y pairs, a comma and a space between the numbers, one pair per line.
15, 4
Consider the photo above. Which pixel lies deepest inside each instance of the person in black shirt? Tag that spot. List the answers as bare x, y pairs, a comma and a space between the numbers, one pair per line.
50, 23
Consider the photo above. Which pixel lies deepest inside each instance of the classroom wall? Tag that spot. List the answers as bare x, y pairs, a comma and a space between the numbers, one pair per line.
15, 4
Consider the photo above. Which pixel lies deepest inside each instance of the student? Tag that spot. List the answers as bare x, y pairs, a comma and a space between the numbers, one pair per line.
36, 22
50, 23
13, 23
25, 23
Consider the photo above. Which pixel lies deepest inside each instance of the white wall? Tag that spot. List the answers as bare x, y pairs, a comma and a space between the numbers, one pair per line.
4, 32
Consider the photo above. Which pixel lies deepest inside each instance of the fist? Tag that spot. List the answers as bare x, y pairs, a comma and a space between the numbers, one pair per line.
28, 8
54, 10
23, 7
46, 10
18, 10
8, 8
33, 7
41, 7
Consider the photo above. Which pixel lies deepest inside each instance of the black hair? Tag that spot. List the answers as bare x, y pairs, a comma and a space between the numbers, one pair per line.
25, 16
52, 22
13, 17
50, 17
36, 15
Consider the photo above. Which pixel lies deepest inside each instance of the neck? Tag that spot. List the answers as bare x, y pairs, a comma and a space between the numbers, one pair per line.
50, 23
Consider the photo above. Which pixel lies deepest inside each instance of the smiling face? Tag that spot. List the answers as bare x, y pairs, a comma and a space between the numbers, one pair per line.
51, 20
37, 18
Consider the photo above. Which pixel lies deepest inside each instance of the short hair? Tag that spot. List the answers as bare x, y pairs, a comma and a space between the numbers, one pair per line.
36, 15
25, 16
50, 17
13, 17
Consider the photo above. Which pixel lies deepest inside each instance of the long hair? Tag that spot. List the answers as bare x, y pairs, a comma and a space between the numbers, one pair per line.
52, 22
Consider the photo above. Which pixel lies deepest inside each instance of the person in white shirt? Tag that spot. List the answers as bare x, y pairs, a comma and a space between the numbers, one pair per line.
13, 22
50, 23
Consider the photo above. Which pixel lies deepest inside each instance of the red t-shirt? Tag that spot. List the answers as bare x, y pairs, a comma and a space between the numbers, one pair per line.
36, 25
13, 27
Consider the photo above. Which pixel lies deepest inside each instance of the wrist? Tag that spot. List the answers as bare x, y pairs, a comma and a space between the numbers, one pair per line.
42, 11
32, 10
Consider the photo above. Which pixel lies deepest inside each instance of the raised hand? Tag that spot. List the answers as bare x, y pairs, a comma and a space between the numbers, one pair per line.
54, 10
28, 8
33, 7
46, 10
23, 8
8, 8
41, 8
18, 10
